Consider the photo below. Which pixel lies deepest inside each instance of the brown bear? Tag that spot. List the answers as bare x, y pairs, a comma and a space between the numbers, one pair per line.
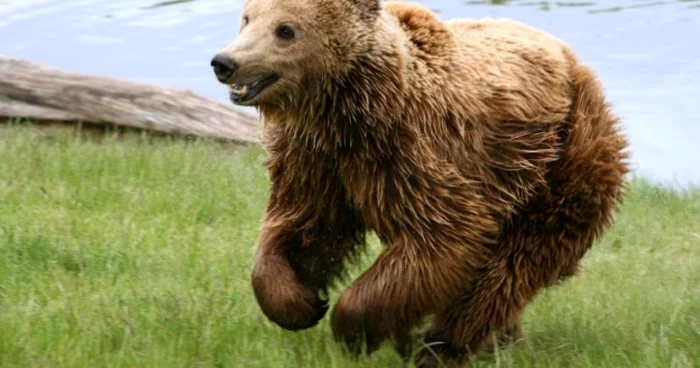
483, 154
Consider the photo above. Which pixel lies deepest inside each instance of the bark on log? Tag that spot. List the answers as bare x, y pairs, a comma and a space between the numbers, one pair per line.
32, 91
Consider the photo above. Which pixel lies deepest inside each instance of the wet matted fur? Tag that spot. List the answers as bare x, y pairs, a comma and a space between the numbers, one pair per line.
482, 153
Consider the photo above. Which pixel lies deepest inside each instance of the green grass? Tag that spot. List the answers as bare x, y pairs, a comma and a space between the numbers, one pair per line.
136, 253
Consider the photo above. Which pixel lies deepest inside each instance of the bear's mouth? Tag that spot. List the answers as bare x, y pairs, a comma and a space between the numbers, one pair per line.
241, 93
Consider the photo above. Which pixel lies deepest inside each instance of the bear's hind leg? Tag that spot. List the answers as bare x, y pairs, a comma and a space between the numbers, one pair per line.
533, 252
538, 248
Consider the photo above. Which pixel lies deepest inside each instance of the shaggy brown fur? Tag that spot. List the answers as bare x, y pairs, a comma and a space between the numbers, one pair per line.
482, 153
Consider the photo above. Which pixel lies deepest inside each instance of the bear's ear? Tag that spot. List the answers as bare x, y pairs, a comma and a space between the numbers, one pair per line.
367, 8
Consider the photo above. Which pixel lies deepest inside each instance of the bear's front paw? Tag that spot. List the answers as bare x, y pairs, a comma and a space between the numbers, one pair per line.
286, 301
439, 356
436, 351
356, 323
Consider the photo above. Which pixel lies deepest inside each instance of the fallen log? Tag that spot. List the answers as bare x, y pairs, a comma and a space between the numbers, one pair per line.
36, 92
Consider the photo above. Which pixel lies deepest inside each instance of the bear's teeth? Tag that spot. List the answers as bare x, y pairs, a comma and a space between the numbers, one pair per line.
244, 90
254, 83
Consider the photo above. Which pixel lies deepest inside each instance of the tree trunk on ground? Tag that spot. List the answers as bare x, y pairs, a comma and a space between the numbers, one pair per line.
36, 92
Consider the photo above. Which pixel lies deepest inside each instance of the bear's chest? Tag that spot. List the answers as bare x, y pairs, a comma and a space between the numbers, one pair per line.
379, 192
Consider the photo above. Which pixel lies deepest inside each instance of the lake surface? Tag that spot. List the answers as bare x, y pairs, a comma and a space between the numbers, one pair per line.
646, 52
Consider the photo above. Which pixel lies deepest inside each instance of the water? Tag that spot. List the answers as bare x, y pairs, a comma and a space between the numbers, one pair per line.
646, 52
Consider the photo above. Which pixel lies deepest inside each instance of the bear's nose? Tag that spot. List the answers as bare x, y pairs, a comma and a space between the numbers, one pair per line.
223, 66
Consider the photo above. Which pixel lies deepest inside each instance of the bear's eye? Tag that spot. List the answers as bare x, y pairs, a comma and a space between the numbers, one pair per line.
285, 32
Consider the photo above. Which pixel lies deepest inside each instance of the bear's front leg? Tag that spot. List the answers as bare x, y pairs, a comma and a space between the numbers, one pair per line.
390, 299
282, 297
297, 261
363, 319
435, 245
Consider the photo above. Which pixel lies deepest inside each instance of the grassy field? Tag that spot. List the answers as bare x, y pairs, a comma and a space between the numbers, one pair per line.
136, 253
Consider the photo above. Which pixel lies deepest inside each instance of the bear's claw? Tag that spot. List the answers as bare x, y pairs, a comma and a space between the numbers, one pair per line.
320, 307
282, 298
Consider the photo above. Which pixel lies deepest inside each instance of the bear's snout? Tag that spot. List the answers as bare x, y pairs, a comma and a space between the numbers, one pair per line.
224, 66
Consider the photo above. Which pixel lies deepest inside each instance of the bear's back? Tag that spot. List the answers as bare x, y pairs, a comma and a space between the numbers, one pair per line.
510, 32
523, 69
508, 70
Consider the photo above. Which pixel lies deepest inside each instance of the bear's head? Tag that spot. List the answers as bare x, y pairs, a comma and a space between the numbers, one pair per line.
286, 48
